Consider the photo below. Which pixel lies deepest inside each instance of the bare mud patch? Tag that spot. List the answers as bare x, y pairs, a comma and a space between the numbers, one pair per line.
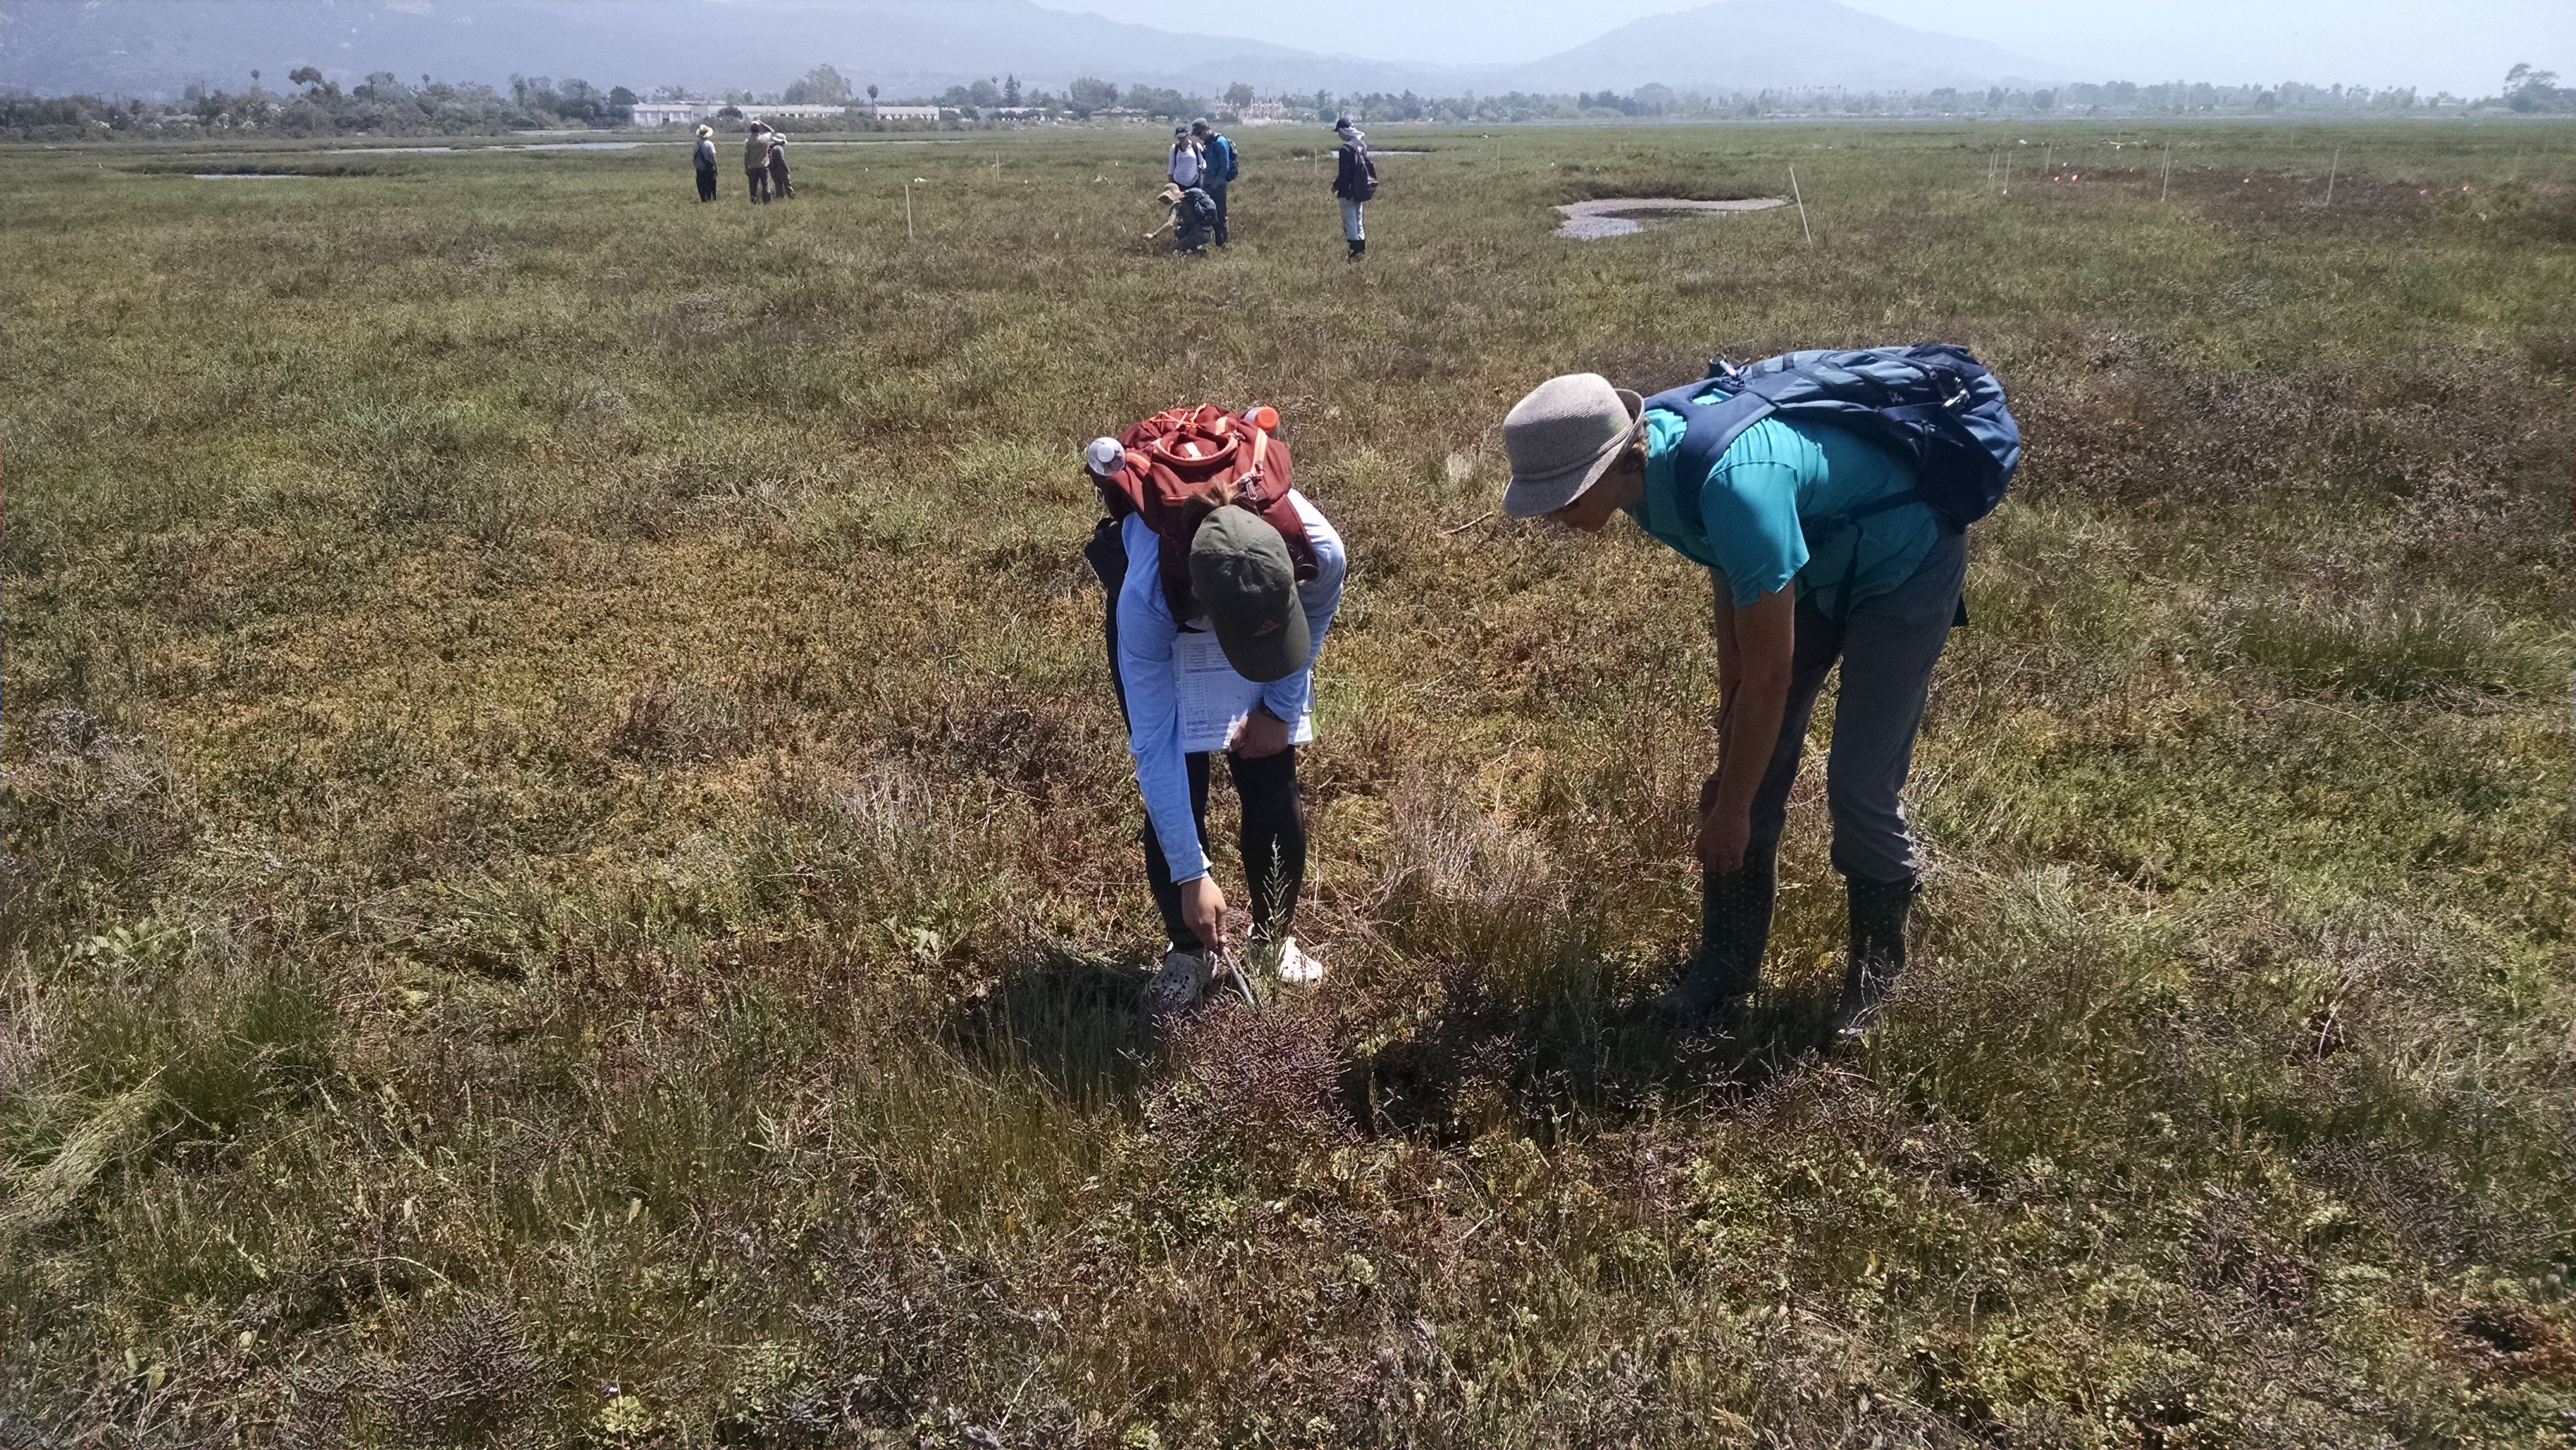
1617, 216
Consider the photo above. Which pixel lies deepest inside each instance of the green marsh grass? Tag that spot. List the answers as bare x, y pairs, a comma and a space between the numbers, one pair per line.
571, 871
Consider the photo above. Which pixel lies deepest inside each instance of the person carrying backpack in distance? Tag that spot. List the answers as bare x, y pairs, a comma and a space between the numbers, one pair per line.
1219, 166
755, 161
1193, 215
1354, 181
1223, 581
779, 186
1827, 493
1185, 167
703, 160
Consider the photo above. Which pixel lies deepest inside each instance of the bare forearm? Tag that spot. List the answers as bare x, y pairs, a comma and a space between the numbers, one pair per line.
1748, 731
1730, 663
1755, 646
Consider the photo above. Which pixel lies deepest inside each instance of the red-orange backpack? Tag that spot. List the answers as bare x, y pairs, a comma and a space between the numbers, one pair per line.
1172, 457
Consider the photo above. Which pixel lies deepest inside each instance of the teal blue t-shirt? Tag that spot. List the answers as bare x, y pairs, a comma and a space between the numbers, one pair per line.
1774, 474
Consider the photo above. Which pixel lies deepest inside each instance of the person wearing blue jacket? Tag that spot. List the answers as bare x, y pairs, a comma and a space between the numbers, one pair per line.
1821, 552
1269, 626
1219, 171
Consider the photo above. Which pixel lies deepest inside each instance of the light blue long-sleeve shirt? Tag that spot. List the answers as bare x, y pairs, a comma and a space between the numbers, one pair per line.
1146, 631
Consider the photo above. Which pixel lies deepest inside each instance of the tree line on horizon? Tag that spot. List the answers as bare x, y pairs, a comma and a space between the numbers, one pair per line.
384, 104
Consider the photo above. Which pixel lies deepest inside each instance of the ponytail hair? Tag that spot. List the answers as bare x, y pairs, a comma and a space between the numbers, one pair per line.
1219, 493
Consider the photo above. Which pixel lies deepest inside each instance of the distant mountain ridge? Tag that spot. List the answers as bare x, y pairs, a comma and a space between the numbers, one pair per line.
1758, 45
156, 48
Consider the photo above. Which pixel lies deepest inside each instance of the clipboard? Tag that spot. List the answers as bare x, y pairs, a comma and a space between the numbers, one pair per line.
1214, 699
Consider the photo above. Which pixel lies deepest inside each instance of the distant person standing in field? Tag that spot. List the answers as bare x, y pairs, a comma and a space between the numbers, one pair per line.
703, 158
755, 161
779, 186
1354, 181
1222, 583
1826, 542
1218, 164
1186, 167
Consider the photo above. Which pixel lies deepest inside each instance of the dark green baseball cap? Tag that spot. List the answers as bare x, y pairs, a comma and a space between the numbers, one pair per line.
1242, 576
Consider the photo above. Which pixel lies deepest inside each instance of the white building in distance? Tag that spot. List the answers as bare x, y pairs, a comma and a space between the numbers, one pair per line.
690, 113
670, 113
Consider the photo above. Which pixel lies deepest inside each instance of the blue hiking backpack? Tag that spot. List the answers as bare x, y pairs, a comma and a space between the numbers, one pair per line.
1222, 167
1932, 403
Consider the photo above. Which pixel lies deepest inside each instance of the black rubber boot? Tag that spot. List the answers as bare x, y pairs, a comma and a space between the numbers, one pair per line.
1878, 910
1735, 927
1358, 250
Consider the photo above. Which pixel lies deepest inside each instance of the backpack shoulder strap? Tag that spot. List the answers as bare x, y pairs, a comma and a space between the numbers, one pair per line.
1267, 483
1709, 427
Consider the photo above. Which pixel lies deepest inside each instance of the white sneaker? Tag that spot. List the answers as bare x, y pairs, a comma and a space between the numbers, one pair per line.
1296, 966
1176, 984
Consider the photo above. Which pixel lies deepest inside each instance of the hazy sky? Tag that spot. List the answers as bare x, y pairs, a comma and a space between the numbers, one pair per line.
2462, 46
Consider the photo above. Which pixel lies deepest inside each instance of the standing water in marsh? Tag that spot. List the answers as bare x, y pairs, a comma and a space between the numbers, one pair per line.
1587, 221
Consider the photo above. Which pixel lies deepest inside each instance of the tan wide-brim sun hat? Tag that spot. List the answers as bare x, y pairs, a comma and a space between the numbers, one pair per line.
706, 130
1562, 438
1171, 191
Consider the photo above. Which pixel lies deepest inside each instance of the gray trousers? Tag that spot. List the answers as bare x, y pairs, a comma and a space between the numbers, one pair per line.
1887, 647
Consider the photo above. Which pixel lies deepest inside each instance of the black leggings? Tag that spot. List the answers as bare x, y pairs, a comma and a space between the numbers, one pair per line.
1273, 839
706, 186
1273, 843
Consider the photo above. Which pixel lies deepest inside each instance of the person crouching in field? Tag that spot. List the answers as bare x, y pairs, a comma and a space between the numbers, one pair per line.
755, 161
1222, 581
1878, 590
1192, 220
779, 186
703, 159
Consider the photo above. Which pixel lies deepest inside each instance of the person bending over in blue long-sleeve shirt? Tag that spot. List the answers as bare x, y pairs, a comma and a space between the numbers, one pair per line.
1269, 626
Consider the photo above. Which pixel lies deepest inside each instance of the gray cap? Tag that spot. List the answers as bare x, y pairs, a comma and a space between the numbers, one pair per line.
1241, 574
1562, 438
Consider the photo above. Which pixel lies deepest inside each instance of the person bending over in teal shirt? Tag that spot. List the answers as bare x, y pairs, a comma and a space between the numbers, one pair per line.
1879, 593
